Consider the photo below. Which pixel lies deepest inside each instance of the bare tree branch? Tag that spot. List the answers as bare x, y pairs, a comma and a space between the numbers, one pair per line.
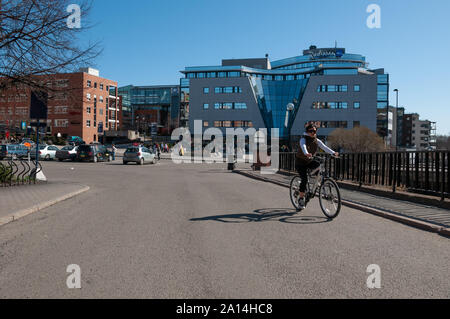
35, 39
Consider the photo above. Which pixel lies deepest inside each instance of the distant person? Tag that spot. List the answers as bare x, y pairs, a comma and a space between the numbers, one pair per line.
114, 150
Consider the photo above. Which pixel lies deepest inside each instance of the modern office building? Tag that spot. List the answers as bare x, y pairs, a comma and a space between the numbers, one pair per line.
144, 107
418, 134
79, 104
326, 85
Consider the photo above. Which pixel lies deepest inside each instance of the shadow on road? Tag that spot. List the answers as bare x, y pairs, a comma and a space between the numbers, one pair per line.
266, 214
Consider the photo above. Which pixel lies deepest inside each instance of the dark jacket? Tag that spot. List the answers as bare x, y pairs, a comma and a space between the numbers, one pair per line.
312, 146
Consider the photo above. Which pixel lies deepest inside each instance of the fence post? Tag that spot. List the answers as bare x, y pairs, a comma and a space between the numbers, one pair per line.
394, 171
408, 158
427, 171
443, 177
436, 173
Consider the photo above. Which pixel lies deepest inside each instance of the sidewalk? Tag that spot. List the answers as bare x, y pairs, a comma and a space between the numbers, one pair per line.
19, 201
418, 215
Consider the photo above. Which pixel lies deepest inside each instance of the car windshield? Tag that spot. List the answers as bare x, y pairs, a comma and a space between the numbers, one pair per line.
41, 147
132, 150
84, 148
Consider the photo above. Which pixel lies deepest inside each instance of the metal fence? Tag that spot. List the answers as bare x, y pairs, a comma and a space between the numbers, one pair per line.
18, 172
423, 171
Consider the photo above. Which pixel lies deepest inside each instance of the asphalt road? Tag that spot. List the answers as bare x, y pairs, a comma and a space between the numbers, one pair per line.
199, 231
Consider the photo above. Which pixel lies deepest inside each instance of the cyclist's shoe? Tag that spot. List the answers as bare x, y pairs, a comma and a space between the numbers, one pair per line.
301, 204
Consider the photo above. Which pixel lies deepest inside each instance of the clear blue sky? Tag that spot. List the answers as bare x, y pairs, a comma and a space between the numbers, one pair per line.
147, 42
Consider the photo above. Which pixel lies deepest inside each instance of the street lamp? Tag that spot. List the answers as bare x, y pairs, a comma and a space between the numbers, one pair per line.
289, 108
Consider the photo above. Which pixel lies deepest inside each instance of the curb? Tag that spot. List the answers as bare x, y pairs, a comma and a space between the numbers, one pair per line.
401, 219
36, 208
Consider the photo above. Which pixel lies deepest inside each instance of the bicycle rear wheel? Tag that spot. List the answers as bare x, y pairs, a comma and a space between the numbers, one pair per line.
330, 198
294, 191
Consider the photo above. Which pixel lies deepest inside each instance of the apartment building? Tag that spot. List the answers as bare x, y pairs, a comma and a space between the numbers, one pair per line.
79, 104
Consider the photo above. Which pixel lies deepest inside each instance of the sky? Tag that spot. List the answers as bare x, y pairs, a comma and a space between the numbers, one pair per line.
147, 42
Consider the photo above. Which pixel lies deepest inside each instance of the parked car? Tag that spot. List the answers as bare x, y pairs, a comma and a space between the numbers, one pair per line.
13, 151
46, 152
68, 152
93, 153
139, 155
3, 152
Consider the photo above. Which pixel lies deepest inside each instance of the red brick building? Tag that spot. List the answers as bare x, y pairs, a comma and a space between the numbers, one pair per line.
79, 103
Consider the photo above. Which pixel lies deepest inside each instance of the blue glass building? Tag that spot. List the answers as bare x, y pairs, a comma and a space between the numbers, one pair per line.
328, 86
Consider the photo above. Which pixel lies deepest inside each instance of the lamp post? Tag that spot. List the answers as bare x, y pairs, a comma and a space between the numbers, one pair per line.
396, 120
289, 108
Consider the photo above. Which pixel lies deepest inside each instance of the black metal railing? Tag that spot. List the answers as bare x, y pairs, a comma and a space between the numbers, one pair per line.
18, 172
417, 171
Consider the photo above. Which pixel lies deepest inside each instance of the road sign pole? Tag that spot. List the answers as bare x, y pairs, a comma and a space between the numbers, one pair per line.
37, 144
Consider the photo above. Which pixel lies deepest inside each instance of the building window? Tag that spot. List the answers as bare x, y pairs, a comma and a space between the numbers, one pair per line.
332, 88
356, 105
329, 105
205, 90
200, 75
222, 74
88, 96
101, 111
382, 105
240, 106
218, 90
357, 88
101, 86
356, 124
205, 106
331, 124
211, 74
88, 123
234, 74
101, 99
205, 123
88, 110
61, 123
89, 83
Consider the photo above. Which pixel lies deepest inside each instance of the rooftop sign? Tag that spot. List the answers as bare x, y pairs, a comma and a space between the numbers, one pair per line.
327, 52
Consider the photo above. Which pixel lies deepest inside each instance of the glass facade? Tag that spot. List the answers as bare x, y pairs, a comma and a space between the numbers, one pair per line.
382, 104
273, 98
164, 100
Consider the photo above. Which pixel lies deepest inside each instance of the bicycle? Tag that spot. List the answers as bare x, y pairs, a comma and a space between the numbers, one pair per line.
322, 185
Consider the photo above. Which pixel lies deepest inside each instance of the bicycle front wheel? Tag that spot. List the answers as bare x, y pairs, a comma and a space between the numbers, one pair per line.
295, 191
330, 198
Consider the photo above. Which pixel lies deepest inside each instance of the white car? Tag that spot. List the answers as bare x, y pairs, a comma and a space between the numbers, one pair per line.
46, 152
139, 155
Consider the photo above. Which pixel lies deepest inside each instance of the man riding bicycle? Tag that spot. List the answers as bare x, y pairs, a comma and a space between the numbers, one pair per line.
309, 145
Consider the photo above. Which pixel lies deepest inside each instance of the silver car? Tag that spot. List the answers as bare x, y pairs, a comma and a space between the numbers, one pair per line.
46, 152
139, 155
